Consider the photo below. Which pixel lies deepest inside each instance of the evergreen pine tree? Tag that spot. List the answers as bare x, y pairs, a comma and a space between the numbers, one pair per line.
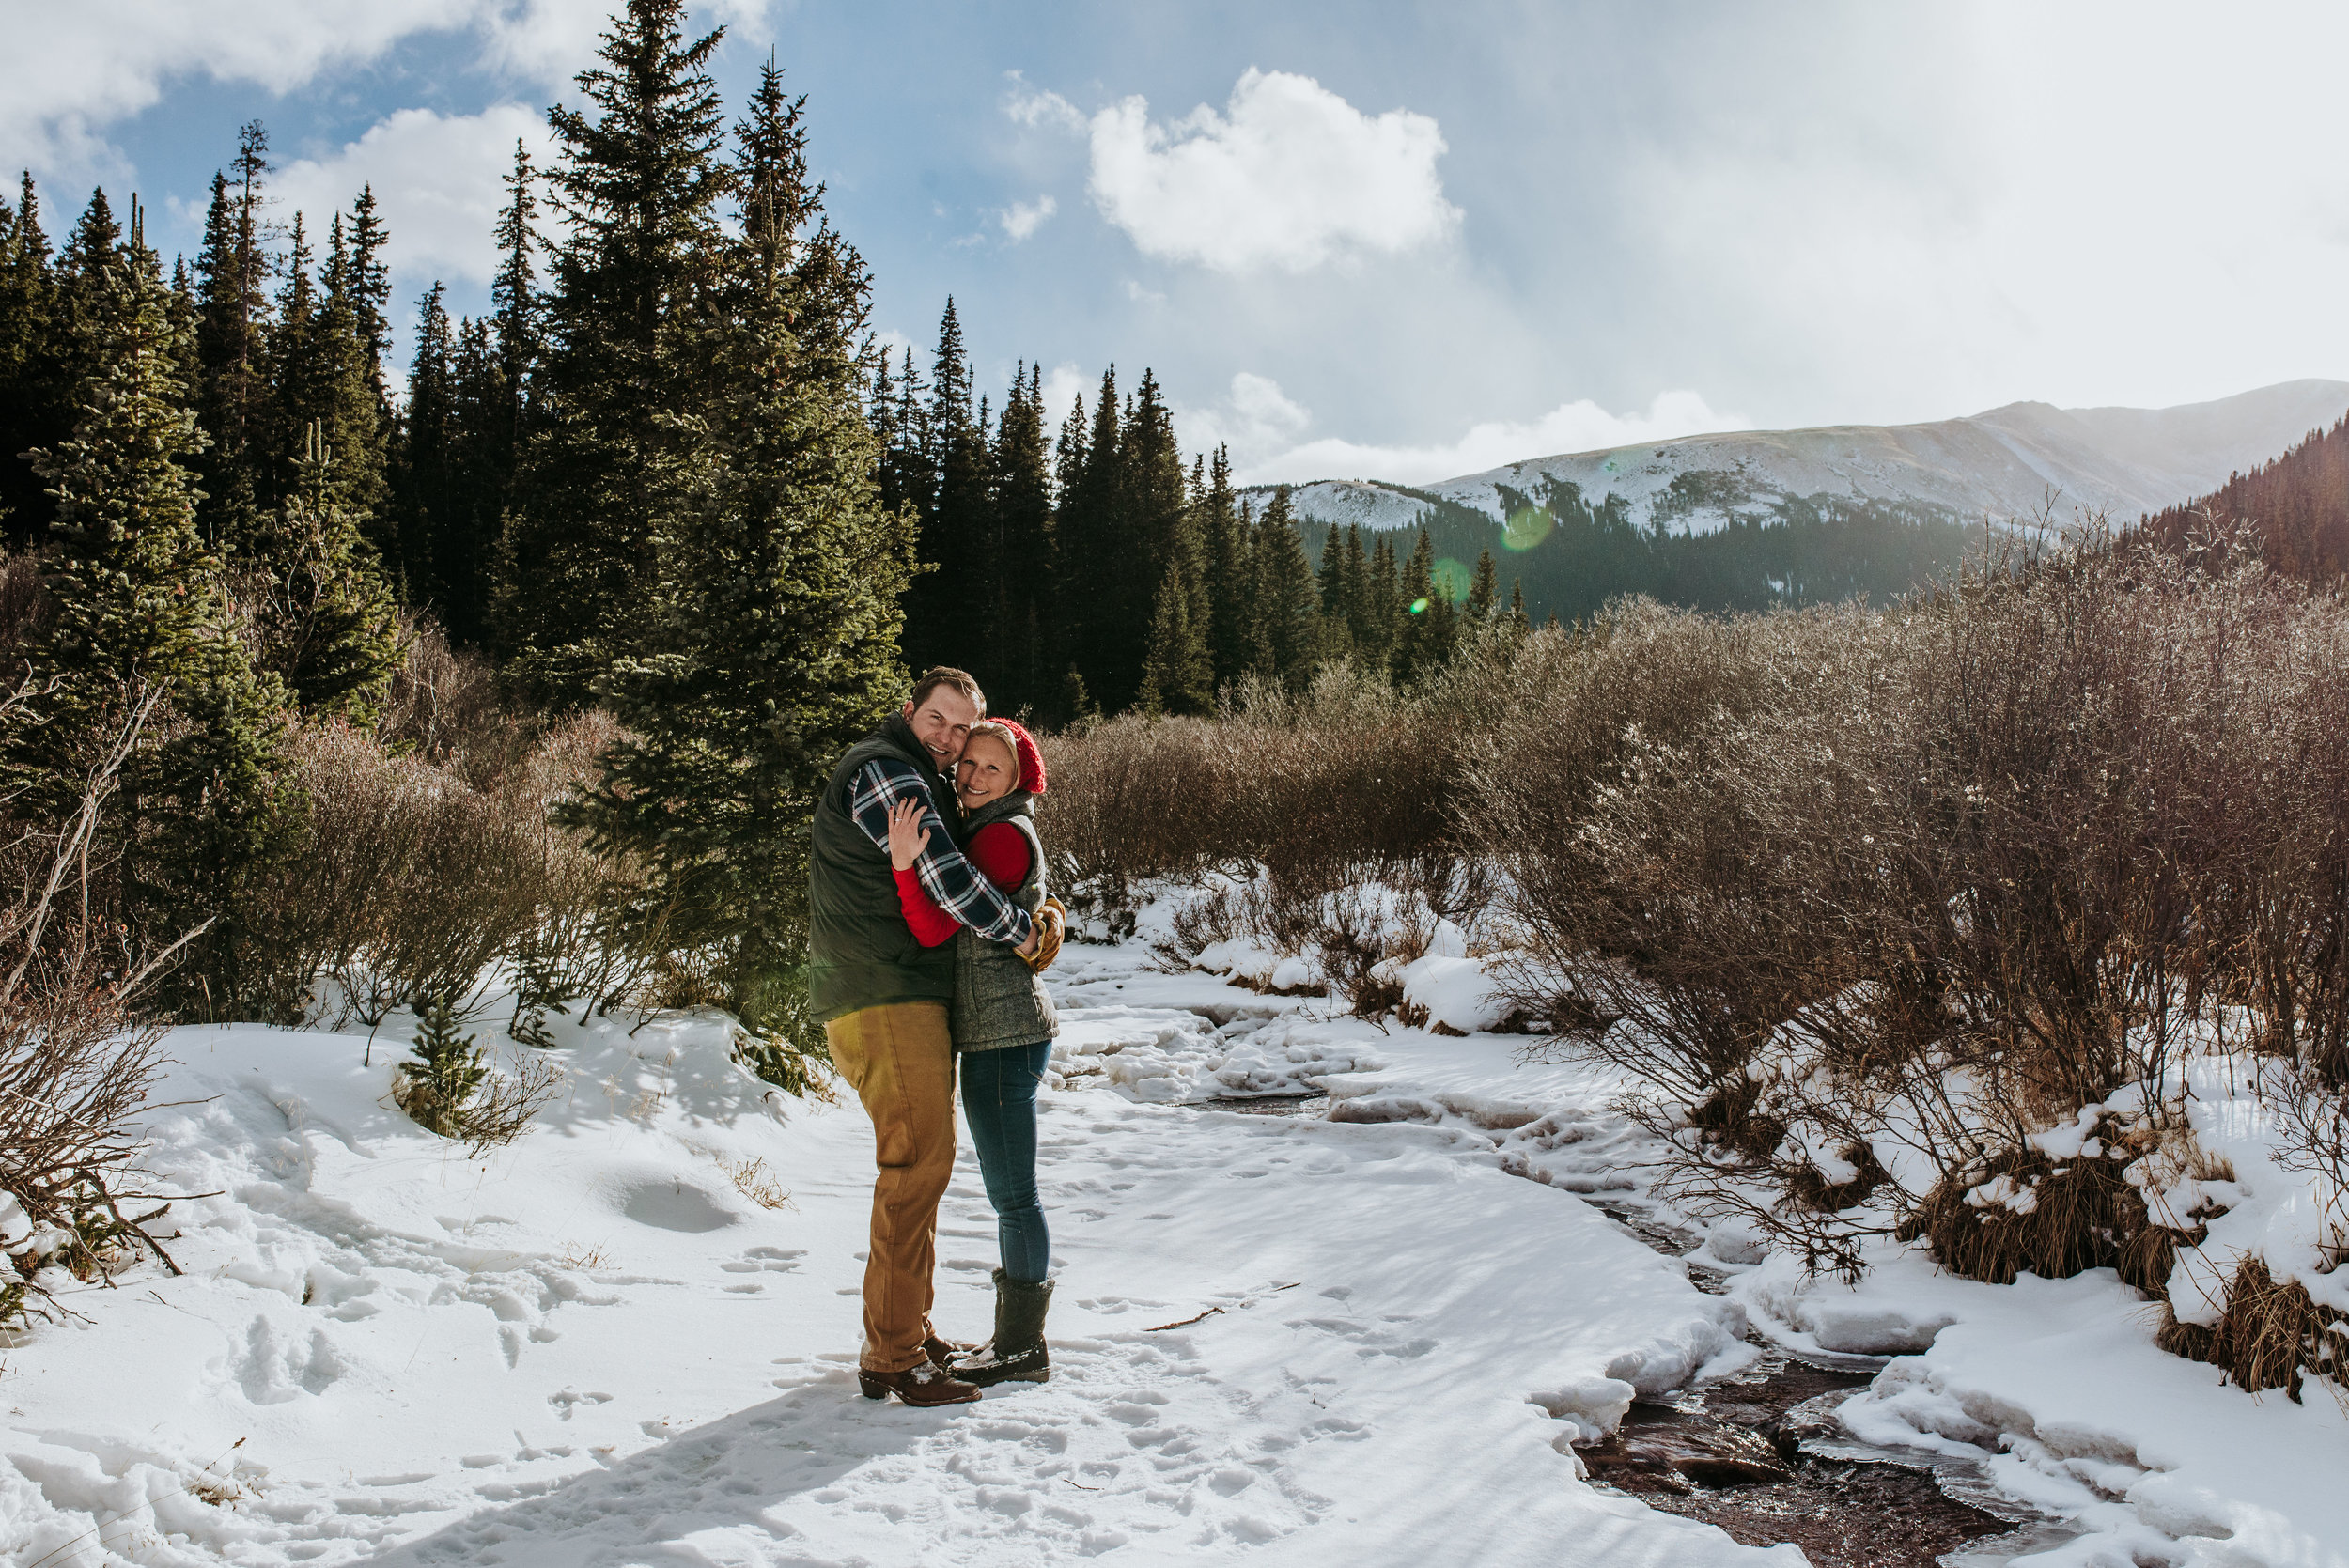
141, 614
1177, 675
1385, 603
91, 252
486, 414
1415, 648
1227, 565
36, 382
1288, 604
638, 183
1151, 529
1023, 519
327, 627
908, 481
346, 398
370, 288
231, 343
1329, 574
1361, 628
951, 614
1484, 599
769, 641
442, 1073
1517, 606
514, 292
426, 496
1088, 528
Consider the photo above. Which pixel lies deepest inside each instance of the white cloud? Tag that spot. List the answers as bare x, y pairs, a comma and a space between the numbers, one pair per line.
1580, 426
72, 70
1031, 107
1255, 419
1023, 217
438, 184
1290, 176
549, 41
1062, 385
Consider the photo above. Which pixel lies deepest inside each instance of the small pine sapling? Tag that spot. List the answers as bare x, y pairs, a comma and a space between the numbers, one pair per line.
443, 1073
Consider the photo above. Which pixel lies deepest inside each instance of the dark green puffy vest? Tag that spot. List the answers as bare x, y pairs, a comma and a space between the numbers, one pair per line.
998, 999
860, 953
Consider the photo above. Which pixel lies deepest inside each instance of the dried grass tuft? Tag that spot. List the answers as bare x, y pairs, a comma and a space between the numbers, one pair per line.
2272, 1335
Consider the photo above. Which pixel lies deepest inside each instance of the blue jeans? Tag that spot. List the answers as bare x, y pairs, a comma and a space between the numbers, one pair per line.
999, 1098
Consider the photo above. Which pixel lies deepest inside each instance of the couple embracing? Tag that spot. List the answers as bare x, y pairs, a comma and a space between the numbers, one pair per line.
930, 924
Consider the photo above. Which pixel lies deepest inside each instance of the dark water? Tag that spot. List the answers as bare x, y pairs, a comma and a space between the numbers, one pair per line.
1761, 1455
1270, 1105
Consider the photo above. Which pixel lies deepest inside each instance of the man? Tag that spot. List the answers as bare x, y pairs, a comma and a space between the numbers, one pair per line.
884, 998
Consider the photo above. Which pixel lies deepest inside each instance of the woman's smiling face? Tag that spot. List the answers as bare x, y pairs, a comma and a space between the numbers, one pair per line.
987, 771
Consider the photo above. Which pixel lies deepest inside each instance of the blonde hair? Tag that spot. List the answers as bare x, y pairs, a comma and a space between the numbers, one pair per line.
1002, 736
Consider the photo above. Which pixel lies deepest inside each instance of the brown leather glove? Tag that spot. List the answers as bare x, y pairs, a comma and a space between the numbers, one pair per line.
1052, 923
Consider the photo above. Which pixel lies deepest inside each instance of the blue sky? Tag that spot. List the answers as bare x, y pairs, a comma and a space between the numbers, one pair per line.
1402, 239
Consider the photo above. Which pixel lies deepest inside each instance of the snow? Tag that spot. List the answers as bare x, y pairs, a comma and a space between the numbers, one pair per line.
1373, 1335
2057, 1387
2007, 463
1293, 1338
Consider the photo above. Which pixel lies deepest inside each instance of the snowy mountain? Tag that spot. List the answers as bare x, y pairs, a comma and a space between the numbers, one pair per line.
2011, 462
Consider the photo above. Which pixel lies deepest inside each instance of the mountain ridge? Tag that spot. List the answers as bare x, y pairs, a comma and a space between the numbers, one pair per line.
2011, 464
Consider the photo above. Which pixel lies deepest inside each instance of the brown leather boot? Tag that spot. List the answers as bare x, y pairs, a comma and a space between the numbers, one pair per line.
942, 1352
921, 1384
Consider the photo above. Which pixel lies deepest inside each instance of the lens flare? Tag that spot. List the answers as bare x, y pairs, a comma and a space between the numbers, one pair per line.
1453, 579
1419, 606
1526, 527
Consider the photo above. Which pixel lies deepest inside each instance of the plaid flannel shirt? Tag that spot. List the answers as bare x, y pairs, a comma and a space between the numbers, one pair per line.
952, 882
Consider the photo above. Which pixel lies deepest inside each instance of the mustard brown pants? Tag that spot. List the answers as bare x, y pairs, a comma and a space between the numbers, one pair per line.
900, 1061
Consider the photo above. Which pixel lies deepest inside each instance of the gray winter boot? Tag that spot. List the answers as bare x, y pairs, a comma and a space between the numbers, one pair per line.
1016, 1353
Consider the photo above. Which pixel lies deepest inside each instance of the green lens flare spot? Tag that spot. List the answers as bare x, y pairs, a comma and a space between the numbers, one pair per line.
1419, 606
1453, 579
1526, 527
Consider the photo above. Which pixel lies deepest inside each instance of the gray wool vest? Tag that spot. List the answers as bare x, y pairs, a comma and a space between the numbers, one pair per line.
999, 1000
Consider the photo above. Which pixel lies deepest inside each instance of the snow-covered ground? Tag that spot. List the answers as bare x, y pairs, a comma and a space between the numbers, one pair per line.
1359, 1337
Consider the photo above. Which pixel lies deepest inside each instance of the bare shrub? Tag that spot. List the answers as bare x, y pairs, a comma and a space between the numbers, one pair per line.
1878, 897
411, 881
446, 706
505, 1104
76, 1059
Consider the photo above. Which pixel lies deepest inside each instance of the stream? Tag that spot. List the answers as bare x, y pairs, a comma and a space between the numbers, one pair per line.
1761, 1454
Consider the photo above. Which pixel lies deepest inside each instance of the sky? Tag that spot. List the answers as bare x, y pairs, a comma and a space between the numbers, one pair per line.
1384, 239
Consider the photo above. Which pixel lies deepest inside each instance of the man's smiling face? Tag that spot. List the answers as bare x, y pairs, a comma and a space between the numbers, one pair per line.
941, 724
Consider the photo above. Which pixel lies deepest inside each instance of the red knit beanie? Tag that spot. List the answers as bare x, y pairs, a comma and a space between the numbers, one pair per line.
1031, 760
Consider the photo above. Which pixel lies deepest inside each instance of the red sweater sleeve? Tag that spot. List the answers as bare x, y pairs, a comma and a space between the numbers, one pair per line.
930, 924
998, 851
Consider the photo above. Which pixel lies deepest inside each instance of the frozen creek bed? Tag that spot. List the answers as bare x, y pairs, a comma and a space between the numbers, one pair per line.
1396, 1329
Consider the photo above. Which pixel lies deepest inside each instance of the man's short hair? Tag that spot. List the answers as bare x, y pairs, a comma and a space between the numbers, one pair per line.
946, 675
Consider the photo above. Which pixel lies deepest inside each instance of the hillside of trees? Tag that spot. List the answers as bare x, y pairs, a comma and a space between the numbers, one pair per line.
1572, 556
2295, 508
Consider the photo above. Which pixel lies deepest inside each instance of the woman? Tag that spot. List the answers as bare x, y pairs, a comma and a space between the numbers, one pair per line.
1002, 1026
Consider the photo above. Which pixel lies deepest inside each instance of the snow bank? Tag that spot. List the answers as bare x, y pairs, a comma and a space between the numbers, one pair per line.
2057, 1387
1172, 1056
